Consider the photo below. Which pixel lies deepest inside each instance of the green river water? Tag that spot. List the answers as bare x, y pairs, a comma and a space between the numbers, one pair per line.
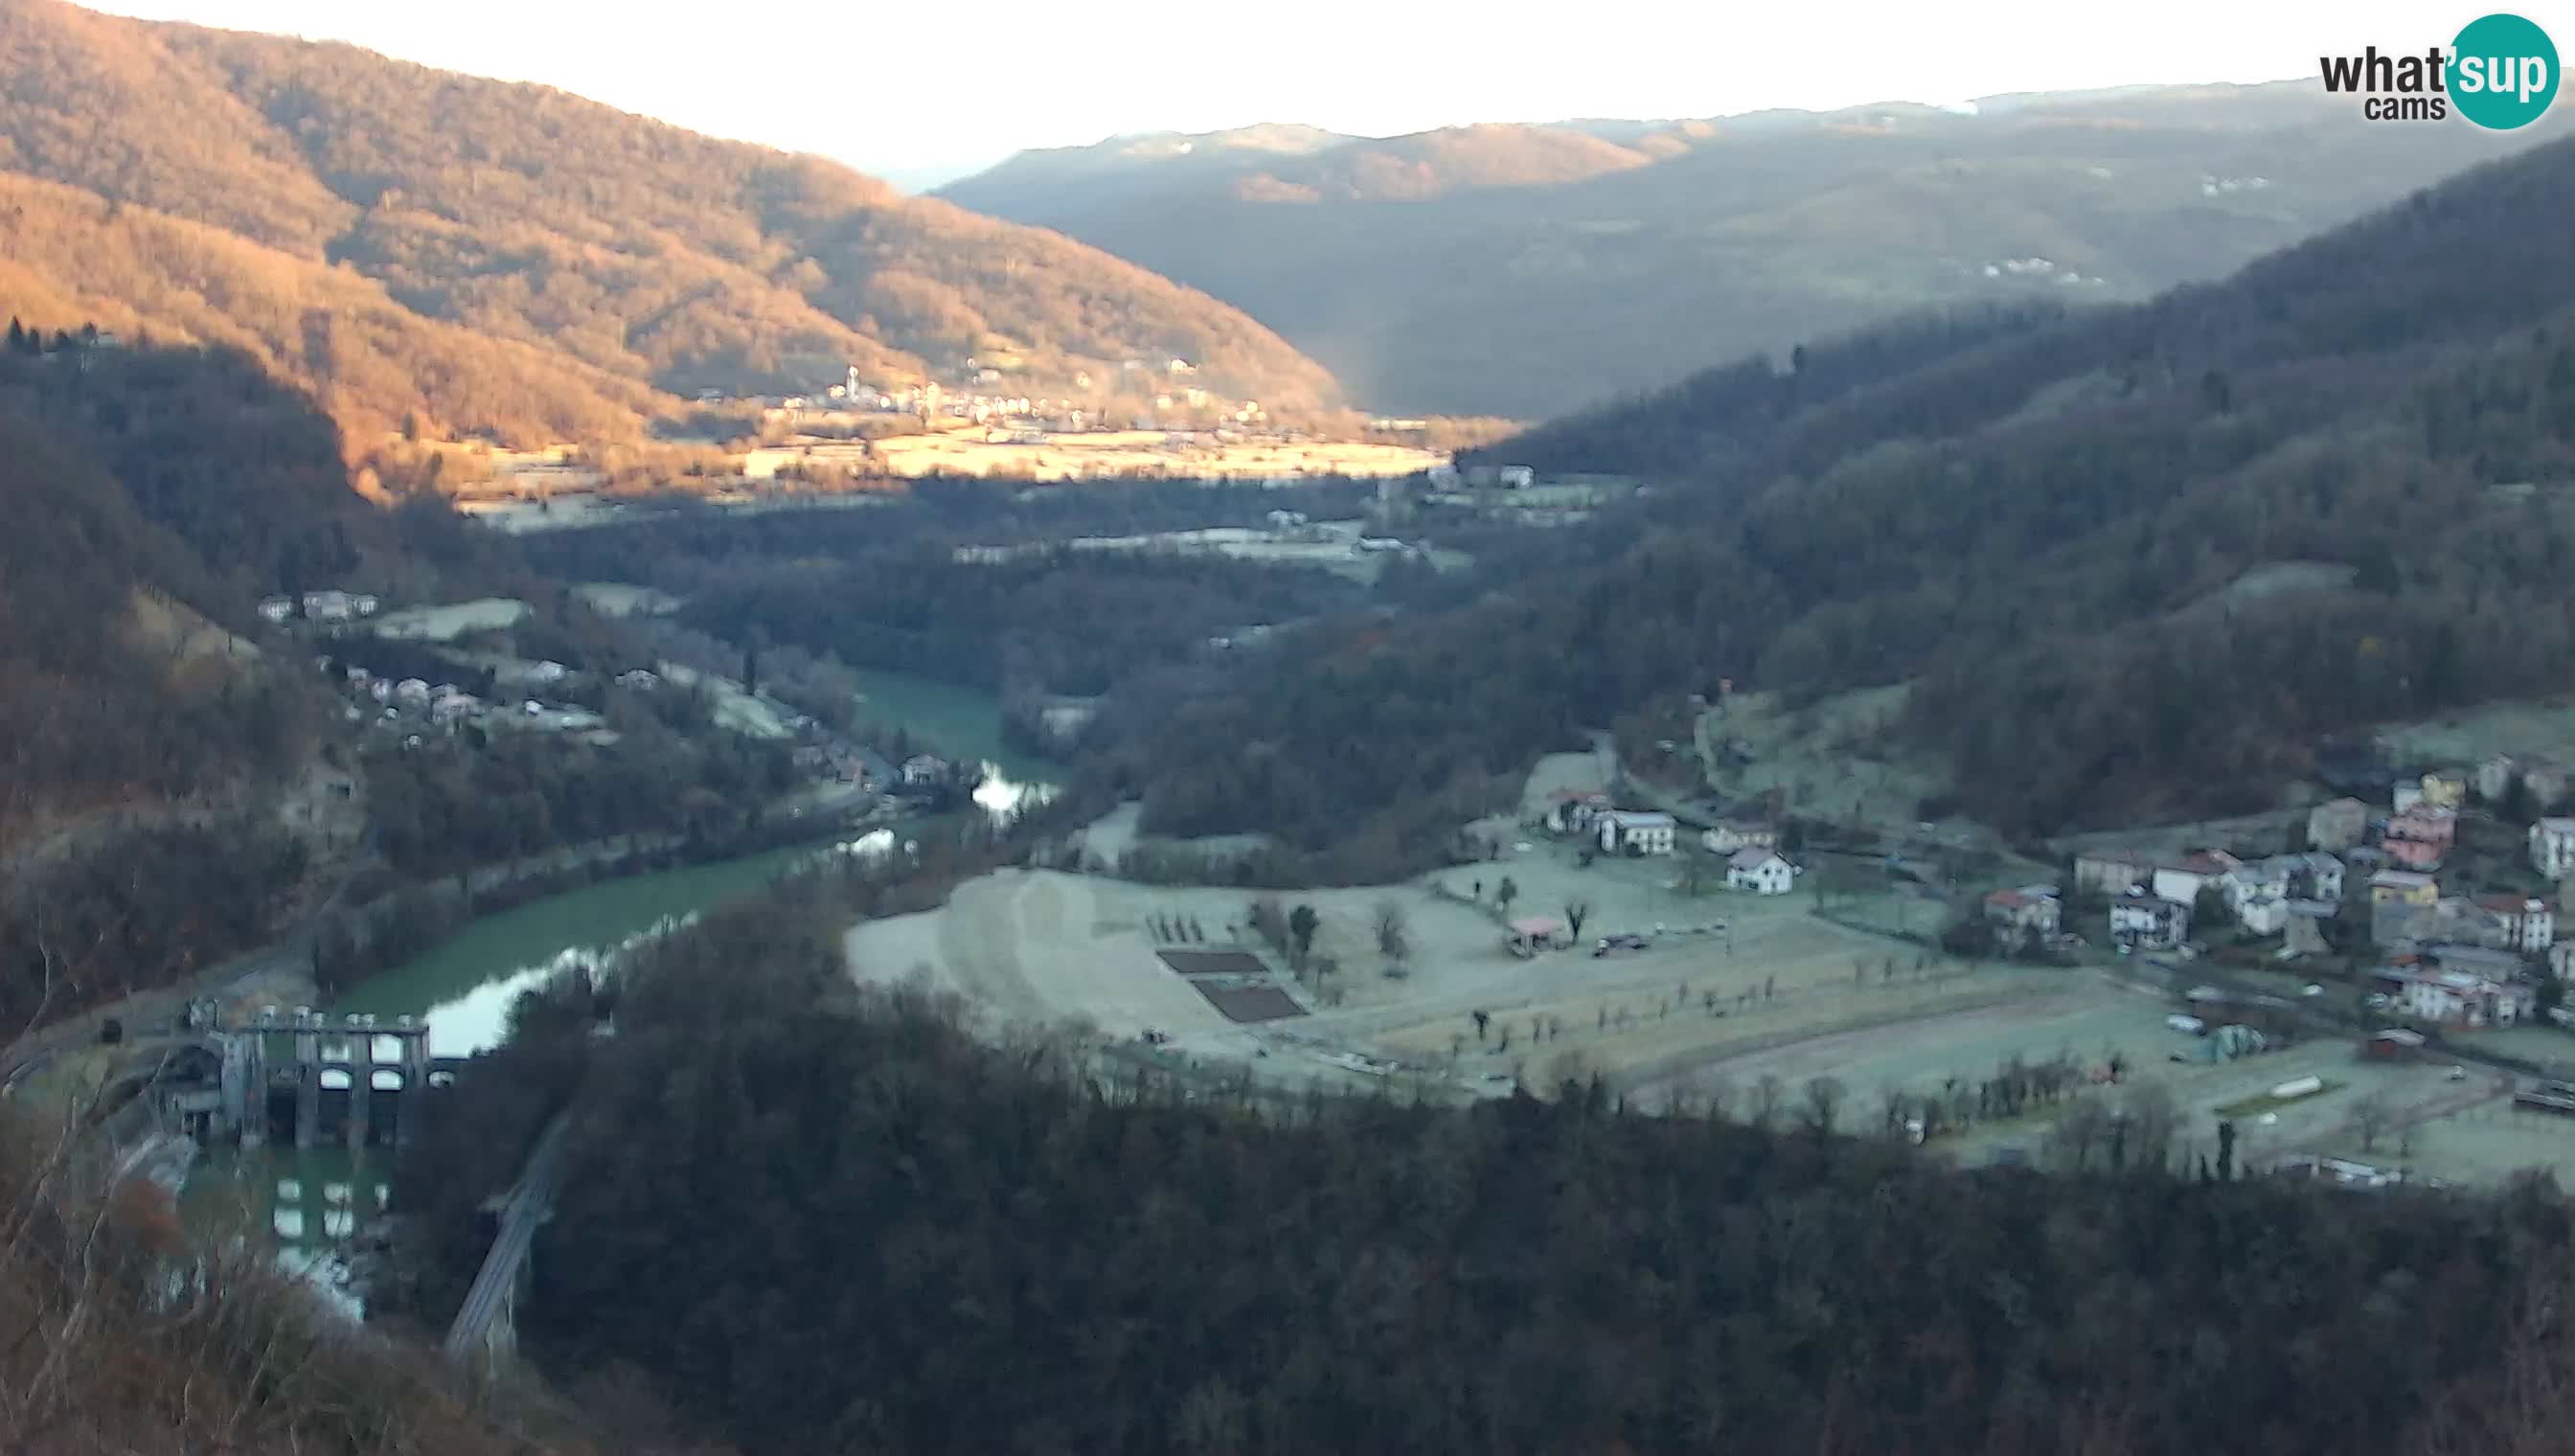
464, 986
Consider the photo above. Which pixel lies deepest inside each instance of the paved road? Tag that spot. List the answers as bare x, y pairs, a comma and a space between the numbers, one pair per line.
521, 1214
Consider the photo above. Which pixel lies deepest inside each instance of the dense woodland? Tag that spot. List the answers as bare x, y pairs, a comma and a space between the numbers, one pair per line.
702, 548
2035, 524
1063, 621
514, 260
881, 587
157, 495
812, 1218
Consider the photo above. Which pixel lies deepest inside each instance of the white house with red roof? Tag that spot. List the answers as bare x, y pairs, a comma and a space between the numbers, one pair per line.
2030, 911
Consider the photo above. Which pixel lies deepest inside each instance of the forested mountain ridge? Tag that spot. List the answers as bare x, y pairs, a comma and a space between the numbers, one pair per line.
2010, 514
522, 240
1296, 164
1525, 269
174, 484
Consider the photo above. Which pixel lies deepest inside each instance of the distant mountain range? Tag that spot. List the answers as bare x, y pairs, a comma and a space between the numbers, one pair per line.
514, 260
1529, 269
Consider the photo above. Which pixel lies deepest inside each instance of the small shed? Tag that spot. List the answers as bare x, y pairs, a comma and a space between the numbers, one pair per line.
1534, 933
2393, 1045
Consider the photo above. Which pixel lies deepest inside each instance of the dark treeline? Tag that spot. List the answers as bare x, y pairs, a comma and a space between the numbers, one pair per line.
1718, 417
446, 807
704, 546
881, 587
813, 1217
1062, 621
2036, 530
245, 471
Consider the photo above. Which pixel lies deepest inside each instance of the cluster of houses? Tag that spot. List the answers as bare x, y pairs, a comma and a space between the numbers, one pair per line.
2461, 959
444, 705
864, 767
408, 703
331, 605
1752, 858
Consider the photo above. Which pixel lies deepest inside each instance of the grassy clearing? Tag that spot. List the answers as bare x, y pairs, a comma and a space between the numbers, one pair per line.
447, 624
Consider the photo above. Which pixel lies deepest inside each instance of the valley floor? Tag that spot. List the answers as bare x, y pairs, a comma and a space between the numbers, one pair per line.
1732, 997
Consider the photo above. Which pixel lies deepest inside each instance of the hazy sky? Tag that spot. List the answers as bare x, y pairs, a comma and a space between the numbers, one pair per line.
924, 90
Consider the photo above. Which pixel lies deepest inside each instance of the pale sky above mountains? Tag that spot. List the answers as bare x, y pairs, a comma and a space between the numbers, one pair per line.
922, 93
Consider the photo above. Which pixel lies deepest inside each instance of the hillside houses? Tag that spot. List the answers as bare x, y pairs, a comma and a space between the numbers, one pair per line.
2552, 847
1634, 832
1738, 834
2030, 914
2257, 895
330, 606
2181, 880
1762, 872
2422, 837
1617, 831
2402, 887
1571, 811
2523, 924
2141, 921
2112, 871
2462, 998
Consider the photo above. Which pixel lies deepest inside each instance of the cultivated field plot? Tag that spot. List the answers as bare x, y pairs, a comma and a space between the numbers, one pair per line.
2069, 1013
1214, 962
1244, 1002
1046, 948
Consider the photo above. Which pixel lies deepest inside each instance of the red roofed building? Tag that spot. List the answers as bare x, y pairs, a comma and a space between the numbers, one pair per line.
2420, 855
2426, 824
2029, 911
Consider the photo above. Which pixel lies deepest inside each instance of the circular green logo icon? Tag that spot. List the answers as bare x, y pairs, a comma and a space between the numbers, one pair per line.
2503, 72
